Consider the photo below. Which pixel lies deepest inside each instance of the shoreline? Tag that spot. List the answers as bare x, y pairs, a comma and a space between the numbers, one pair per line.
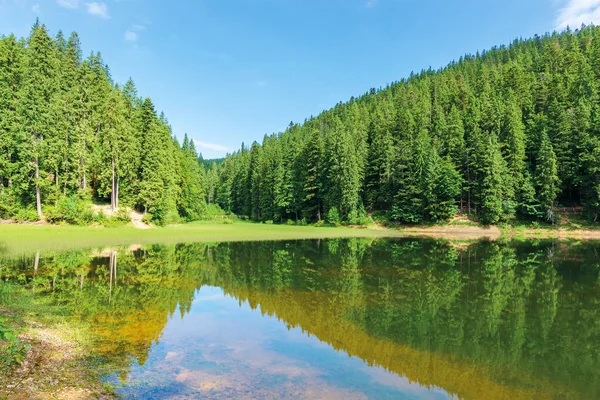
20, 238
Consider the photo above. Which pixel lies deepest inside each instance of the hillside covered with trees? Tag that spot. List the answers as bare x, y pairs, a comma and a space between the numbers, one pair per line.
509, 133
68, 134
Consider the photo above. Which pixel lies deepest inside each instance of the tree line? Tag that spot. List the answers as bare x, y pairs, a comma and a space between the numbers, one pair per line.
68, 130
505, 134
508, 133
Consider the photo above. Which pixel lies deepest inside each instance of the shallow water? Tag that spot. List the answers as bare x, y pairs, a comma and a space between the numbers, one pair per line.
350, 318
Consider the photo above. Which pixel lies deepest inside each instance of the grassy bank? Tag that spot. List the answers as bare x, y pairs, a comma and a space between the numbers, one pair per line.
15, 239
18, 239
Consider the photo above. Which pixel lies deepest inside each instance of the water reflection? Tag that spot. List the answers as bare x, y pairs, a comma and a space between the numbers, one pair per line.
418, 318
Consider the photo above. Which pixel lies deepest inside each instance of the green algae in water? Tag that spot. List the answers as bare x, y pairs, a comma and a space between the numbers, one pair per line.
338, 318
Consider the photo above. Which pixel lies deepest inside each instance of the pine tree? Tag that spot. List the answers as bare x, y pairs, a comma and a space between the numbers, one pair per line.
116, 145
492, 187
191, 204
547, 178
343, 174
314, 166
38, 89
11, 78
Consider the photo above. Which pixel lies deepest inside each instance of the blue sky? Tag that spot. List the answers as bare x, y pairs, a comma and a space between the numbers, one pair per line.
229, 71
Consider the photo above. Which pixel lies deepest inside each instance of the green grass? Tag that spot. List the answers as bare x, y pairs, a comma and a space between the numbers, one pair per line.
20, 239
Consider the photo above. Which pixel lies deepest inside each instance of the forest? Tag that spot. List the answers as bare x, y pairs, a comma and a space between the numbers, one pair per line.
69, 135
506, 134
509, 133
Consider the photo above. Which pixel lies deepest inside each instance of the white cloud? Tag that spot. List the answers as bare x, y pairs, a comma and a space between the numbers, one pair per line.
35, 8
370, 3
138, 27
131, 36
98, 9
577, 12
212, 146
68, 3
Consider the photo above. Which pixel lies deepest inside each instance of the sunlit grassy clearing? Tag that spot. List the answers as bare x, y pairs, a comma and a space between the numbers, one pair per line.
27, 238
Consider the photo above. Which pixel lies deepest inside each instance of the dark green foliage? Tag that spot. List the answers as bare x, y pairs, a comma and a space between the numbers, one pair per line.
68, 132
477, 136
511, 132
547, 177
71, 210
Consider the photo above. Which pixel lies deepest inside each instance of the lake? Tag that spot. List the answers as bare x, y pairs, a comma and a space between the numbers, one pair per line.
337, 318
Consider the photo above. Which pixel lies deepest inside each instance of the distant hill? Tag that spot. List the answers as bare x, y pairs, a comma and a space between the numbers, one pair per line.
512, 132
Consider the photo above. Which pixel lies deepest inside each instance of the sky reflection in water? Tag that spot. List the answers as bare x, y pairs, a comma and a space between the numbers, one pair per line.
222, 349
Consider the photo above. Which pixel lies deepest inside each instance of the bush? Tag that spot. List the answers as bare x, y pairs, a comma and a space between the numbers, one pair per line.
27, 215
227, 221
333, 216
122, 215
400, 214
12, 349
164, 216
302, 222
70, 210
381, 216
575, 226
359, 217
100, 218
147, 218
8, 207
214, 211
269, 222
319, 223
289, 222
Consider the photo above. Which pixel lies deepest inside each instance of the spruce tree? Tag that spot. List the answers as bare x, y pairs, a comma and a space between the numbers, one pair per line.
547, 178
492, 185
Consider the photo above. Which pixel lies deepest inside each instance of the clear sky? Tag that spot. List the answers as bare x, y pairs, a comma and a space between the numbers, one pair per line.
229, 71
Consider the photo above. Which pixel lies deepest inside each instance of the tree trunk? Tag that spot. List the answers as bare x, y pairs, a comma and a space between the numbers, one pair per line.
36, 263
38, 197
9, 180
111, 265
83, 184
113, 186
117, 194
469, 183
66, 163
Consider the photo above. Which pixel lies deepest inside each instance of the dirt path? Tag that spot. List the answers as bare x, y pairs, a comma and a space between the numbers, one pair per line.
136, 220
136, 217
454, 232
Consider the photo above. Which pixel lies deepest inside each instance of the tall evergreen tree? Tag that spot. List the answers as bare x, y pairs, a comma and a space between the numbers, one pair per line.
548, 182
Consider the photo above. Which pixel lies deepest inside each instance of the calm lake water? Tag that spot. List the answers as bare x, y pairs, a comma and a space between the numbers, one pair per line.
324, 319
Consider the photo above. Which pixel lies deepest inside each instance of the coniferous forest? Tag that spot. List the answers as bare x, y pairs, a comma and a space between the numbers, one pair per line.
510, 133
69, 133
